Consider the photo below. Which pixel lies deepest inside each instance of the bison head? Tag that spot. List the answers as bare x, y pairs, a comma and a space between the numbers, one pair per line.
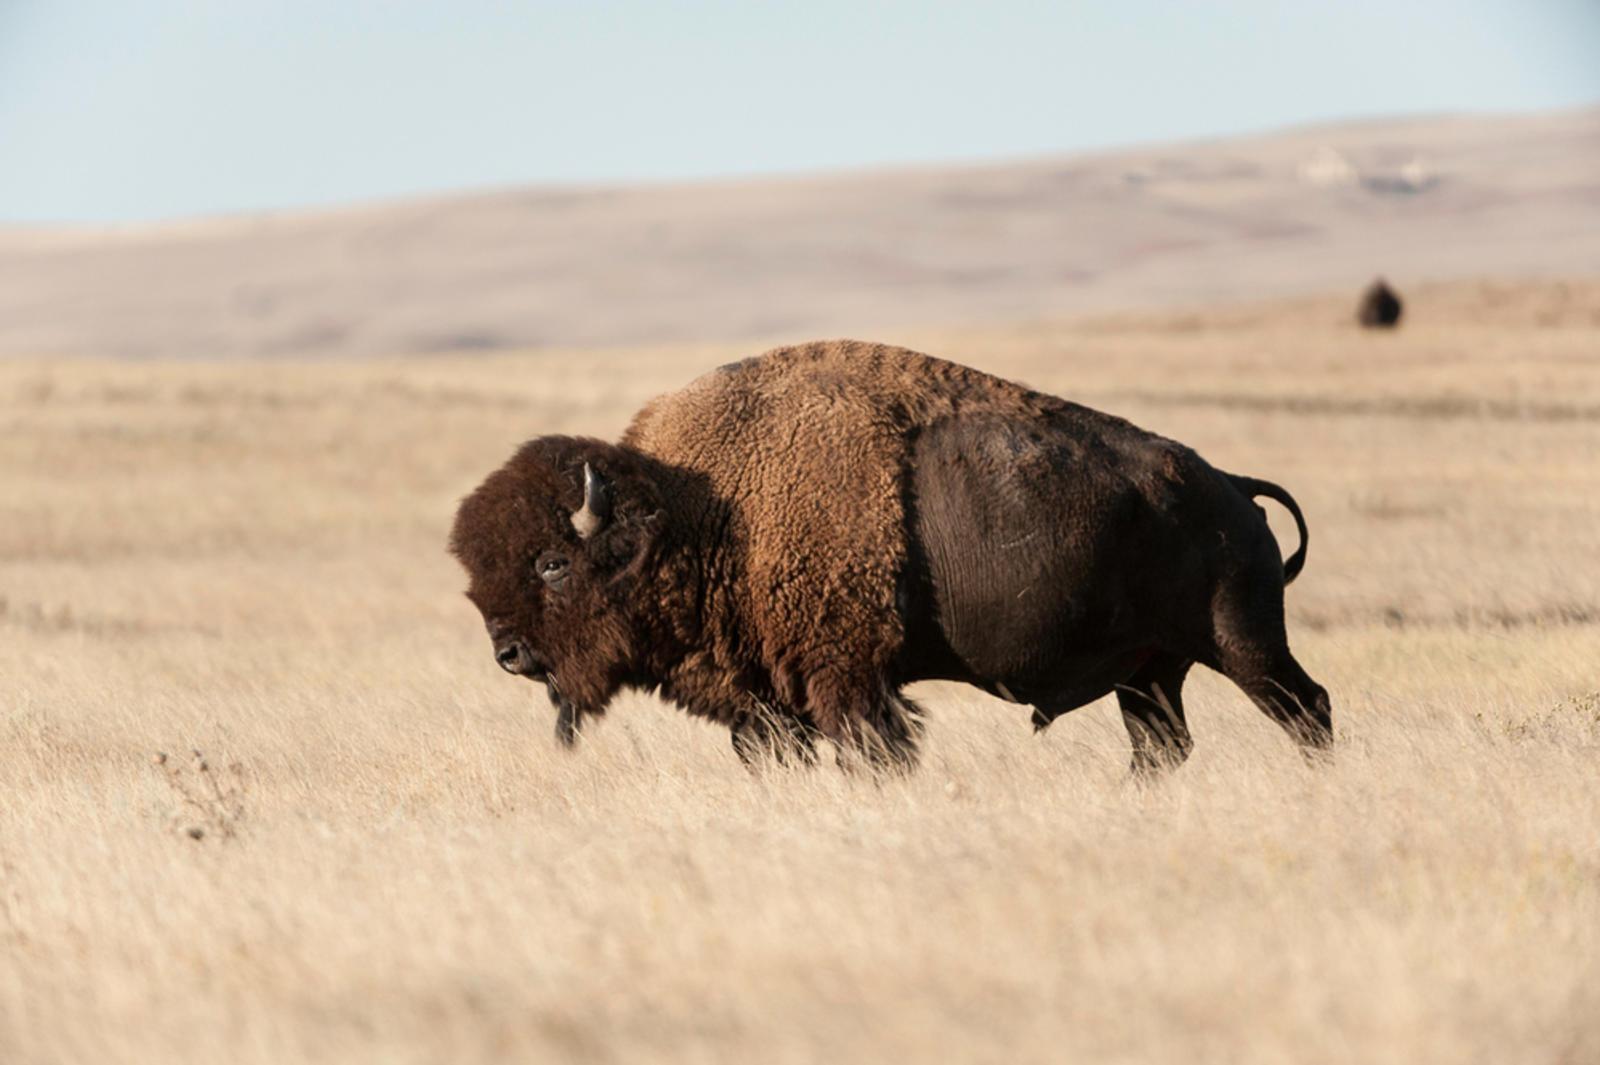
552, 543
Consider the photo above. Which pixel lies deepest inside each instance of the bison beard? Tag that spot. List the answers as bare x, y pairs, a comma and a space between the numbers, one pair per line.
1042, 551
568, 717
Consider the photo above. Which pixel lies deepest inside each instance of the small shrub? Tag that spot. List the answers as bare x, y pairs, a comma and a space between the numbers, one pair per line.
212, 800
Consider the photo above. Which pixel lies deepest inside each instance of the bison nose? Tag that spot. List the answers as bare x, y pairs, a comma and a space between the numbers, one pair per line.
513, 657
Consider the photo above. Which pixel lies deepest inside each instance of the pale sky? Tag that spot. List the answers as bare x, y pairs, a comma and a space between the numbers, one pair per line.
121, 110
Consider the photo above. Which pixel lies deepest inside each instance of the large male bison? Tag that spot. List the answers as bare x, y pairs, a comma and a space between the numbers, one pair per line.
788, 541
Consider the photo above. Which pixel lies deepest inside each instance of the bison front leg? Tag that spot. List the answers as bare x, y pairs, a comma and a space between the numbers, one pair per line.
883, 737
766, 735
1152, 712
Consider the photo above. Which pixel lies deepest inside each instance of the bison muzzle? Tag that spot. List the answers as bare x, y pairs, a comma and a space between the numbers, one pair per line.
787, 542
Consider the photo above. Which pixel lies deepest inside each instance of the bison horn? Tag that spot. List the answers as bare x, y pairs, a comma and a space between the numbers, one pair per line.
596, 510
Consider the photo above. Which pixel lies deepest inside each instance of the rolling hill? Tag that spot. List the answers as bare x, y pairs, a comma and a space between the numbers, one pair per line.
866, 253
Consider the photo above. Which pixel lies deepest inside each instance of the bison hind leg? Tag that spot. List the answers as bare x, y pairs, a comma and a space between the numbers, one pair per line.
1286, 693
1252, 650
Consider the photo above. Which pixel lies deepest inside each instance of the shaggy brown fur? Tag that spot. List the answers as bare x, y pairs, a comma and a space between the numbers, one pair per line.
808, 448
760, 566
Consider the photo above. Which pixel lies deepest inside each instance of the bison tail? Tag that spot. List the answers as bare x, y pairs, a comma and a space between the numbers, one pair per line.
1252, 487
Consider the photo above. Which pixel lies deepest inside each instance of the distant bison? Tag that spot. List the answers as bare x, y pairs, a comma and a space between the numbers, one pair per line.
1380, 306
785, 543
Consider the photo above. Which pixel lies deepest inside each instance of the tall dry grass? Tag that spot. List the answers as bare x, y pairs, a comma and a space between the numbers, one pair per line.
248, 560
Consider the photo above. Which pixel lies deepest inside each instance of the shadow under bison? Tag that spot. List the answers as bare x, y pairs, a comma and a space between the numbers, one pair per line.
788, 541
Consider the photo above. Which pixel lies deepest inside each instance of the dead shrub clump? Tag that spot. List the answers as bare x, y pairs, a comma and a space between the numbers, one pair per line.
212, 801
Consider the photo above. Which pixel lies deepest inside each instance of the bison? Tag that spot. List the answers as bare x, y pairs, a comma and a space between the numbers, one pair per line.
788, 541
1380, 306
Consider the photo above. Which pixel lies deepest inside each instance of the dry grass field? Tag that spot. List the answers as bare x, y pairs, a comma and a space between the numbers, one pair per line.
398, 864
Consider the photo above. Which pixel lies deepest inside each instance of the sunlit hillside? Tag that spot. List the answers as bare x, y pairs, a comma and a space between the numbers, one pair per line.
1278, 215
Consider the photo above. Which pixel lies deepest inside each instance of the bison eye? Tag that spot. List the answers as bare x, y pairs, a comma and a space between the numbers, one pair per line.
552, 568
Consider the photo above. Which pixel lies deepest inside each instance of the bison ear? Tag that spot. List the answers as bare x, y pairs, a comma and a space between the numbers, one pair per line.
637, 537
620, 519
596, 510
